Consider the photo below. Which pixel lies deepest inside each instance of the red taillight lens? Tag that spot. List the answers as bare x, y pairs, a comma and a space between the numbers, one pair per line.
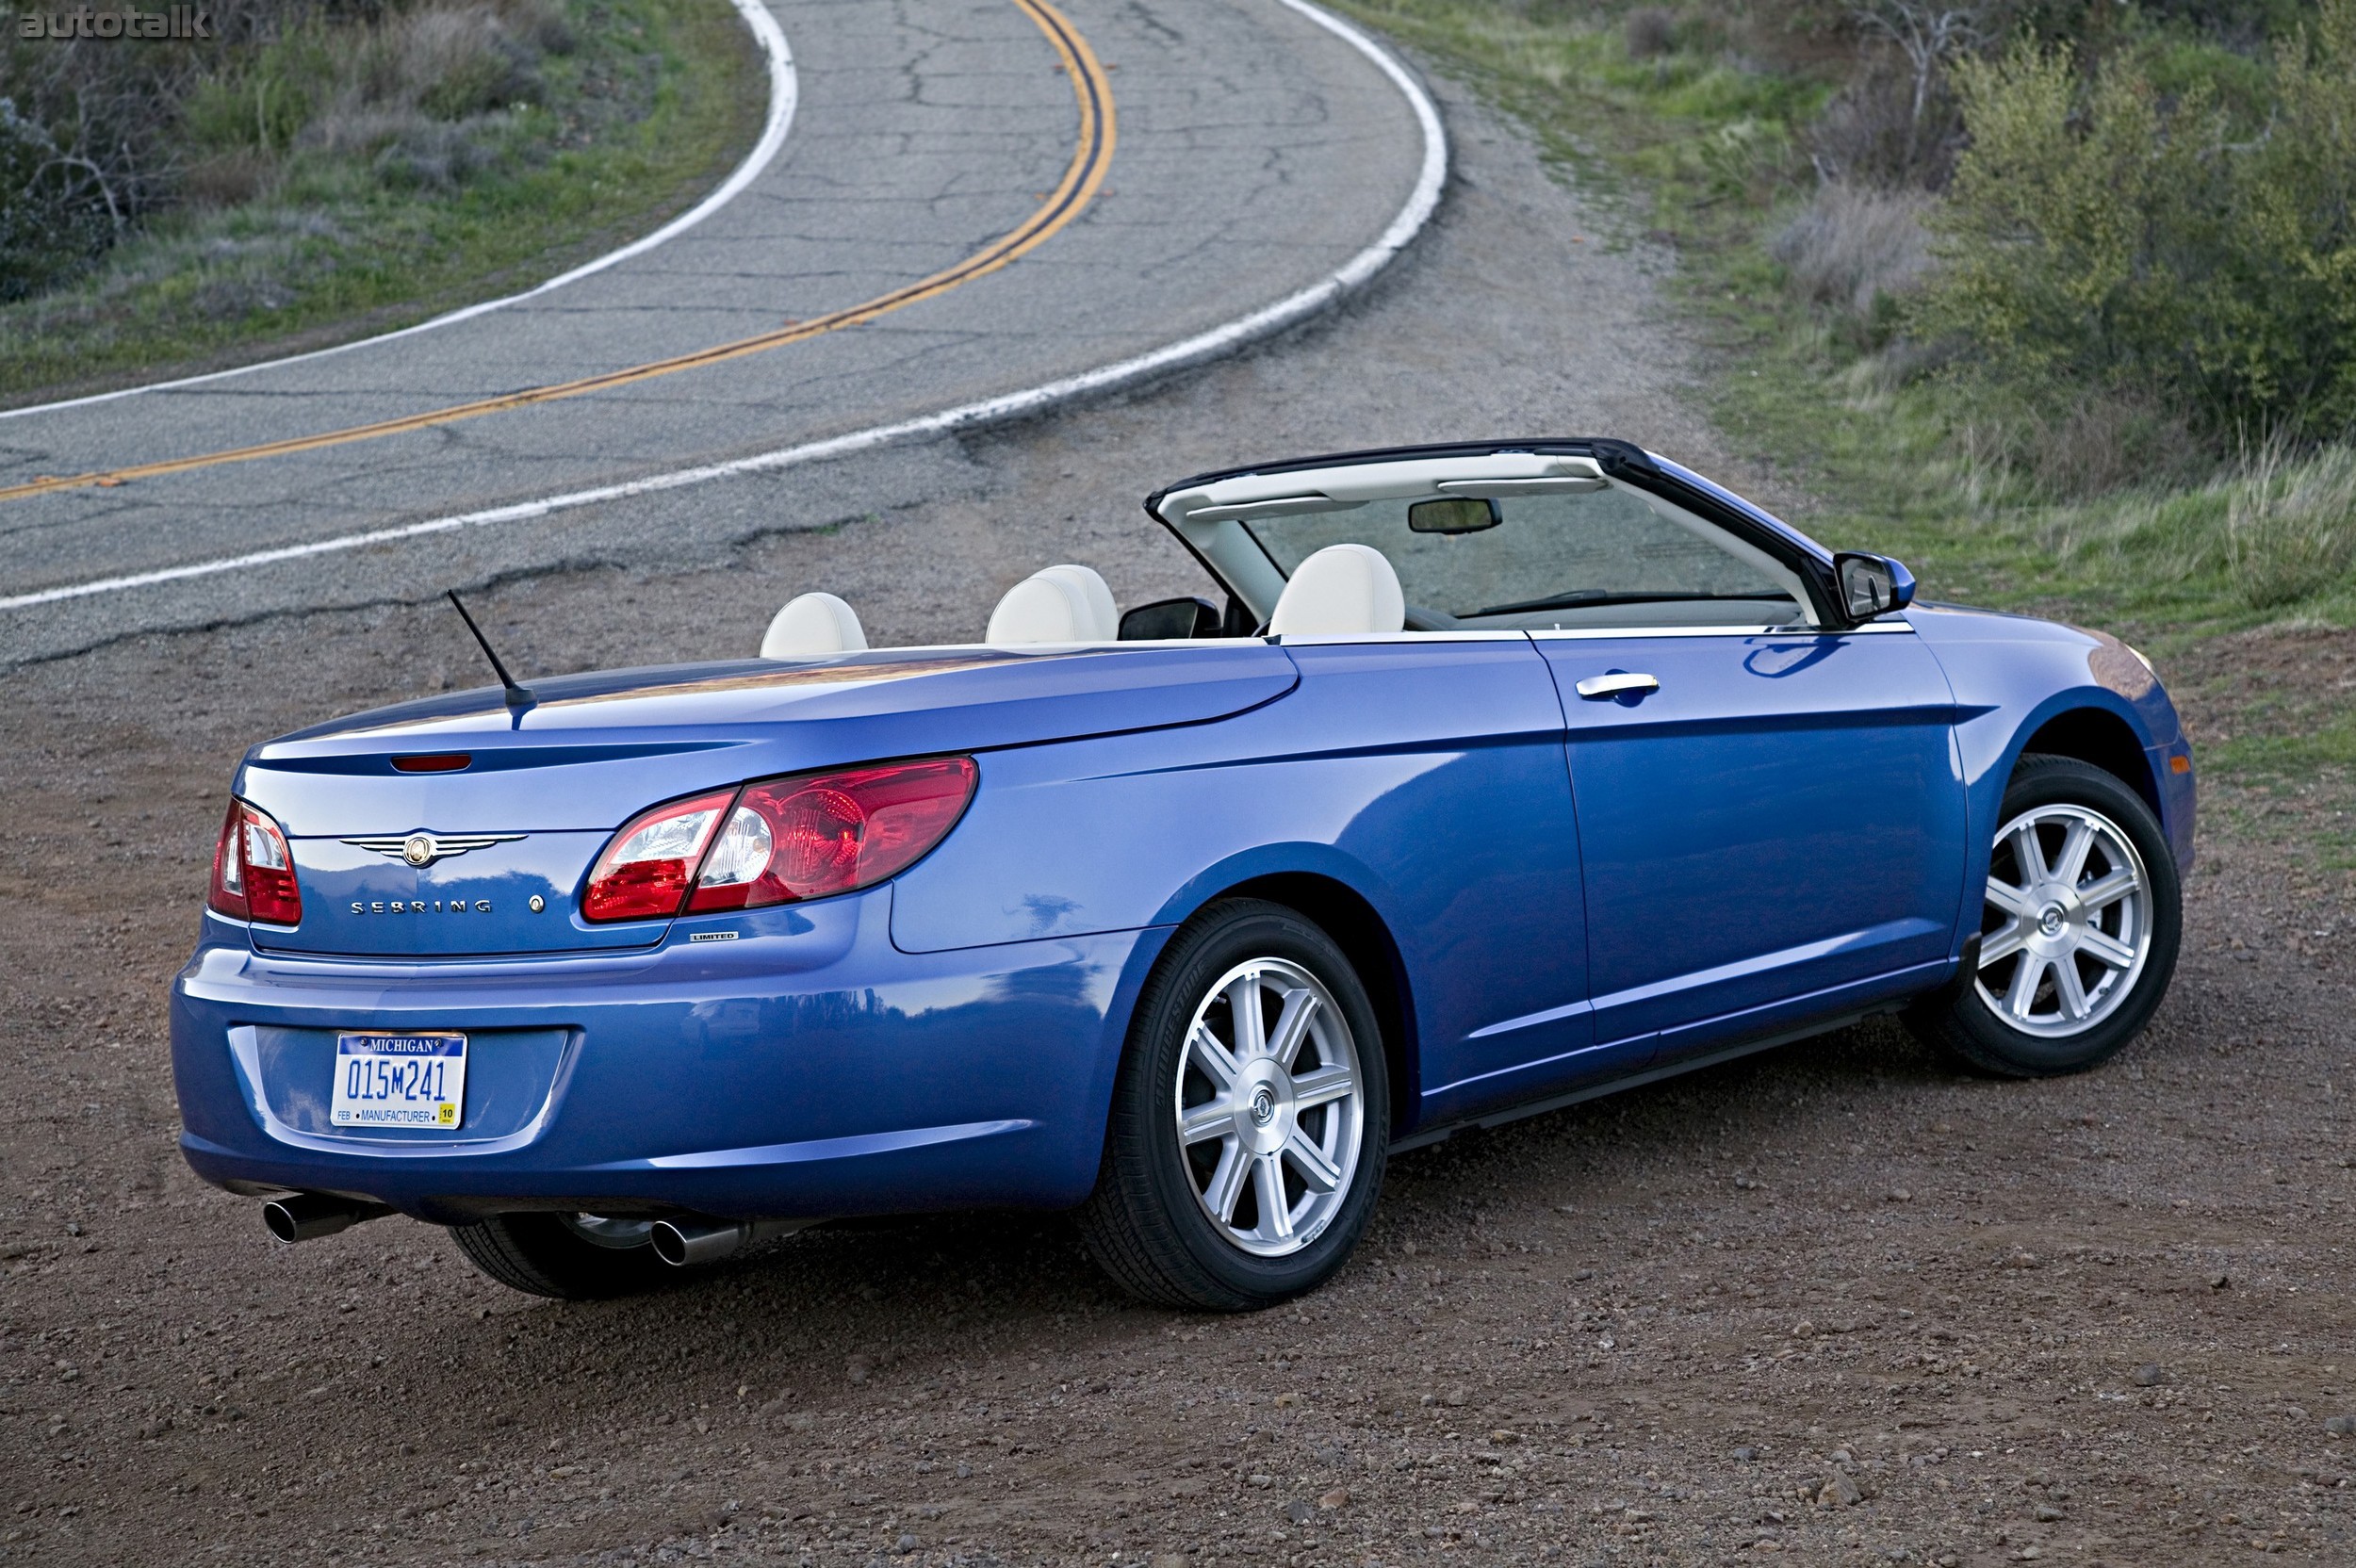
646, 872
253, 876
821, 834
779, 841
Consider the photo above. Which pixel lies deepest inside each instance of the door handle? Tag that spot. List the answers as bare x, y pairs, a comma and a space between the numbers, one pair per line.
1618, 683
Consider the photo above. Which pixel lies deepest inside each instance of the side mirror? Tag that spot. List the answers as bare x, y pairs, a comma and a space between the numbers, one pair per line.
1168, 620
1453, 514
1872, 585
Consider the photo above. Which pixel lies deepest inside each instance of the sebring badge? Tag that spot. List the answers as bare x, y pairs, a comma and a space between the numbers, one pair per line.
422, 849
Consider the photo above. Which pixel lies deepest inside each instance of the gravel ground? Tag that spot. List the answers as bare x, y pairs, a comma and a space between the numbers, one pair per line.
1839, 1301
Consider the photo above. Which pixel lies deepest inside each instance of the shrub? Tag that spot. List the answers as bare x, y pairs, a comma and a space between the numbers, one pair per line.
1649, 31
1871, 133
97, 137
2099, 233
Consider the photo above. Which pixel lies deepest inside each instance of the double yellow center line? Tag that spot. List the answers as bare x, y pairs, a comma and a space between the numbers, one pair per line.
1090, 158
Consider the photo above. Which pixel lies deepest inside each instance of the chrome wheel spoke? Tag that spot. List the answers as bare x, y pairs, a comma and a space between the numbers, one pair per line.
2015, 902
1276, 1218
1209, 1053
1999, 945
1322, 1085
1317, 1170
2106, 950
1292, 1025
2076, 844
2107, 891
1243, 1005
1214, 1119
2026, 976
2068, 988
2028, 851
1226, 1183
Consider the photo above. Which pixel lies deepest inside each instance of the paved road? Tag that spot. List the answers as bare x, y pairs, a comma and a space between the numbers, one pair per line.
1252, 153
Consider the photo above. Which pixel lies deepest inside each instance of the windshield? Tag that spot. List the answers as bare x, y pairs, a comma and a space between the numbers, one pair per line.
1609, 556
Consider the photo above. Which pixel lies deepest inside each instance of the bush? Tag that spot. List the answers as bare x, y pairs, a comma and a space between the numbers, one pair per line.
1649, 31
1872, 133
96, 138
2099, 233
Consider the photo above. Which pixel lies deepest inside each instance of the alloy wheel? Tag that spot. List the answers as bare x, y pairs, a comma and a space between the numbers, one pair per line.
2068, 923
1271, 1112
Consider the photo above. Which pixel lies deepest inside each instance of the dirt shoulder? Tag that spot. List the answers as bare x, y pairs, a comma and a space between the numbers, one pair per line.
1836, 1300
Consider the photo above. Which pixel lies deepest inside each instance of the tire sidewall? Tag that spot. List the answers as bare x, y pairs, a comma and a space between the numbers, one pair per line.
2043, 782
1226, 938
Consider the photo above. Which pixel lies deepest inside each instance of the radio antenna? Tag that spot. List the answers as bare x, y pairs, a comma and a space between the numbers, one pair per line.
518, 698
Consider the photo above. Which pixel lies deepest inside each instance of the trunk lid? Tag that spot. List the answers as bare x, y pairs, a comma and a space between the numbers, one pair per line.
547, 786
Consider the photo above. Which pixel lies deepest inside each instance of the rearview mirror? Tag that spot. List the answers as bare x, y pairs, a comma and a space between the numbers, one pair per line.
1452, 514
1168, 620
1872, 585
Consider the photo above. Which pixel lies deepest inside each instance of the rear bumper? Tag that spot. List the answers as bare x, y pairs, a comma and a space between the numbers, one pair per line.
802, 1067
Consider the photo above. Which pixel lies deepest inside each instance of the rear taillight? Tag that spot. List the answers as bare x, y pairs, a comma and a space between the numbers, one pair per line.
821, 834
779, 841
651, 863
253, 876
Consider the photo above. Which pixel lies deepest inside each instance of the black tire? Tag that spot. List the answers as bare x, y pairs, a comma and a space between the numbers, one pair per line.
1960, 1020
1148, 1224
551, 1254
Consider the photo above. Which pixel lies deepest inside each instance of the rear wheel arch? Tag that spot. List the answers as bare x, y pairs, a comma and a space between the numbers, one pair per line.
2100, 738
1344, 914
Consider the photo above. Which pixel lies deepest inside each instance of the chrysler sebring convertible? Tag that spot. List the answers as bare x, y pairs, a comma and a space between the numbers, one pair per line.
1484, 778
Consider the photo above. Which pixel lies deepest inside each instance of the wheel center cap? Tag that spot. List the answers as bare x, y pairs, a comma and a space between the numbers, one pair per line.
2049, 922
1264, 1103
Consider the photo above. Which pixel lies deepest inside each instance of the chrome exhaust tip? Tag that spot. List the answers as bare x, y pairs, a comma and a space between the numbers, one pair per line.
686, 1240
307, 1216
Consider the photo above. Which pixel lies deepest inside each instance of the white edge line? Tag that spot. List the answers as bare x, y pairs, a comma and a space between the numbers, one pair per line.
1261, 323
784, 93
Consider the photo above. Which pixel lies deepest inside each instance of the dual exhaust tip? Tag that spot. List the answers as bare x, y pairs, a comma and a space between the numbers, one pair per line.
682, 1241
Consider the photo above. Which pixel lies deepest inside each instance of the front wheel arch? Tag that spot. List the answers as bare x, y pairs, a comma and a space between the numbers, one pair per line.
2101, 739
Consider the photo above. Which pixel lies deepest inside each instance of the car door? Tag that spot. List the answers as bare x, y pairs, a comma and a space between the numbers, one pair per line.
1771, 823
1449, 749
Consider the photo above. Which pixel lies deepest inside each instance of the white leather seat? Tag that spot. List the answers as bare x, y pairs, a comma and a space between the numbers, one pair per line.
813, 624
1061, 604
1340, 591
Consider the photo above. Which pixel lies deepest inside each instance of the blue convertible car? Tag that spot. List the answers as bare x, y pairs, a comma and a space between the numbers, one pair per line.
1504, 774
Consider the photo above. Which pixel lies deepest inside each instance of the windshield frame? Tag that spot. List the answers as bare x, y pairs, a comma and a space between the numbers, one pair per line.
1238, 564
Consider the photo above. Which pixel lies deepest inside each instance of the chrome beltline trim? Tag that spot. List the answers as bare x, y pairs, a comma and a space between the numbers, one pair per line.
1594, 633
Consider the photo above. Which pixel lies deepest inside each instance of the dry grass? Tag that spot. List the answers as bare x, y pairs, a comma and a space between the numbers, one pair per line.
1852, 246
2290, 527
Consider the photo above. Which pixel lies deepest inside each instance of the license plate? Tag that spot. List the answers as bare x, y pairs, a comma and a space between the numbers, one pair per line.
399, 1081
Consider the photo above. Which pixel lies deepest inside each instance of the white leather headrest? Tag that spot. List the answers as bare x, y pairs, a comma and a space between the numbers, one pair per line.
1103, 613
1341, 590
1062, 604
813, 624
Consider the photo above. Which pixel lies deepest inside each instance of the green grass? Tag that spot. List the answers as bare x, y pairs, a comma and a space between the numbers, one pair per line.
1705, 150
647, 108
